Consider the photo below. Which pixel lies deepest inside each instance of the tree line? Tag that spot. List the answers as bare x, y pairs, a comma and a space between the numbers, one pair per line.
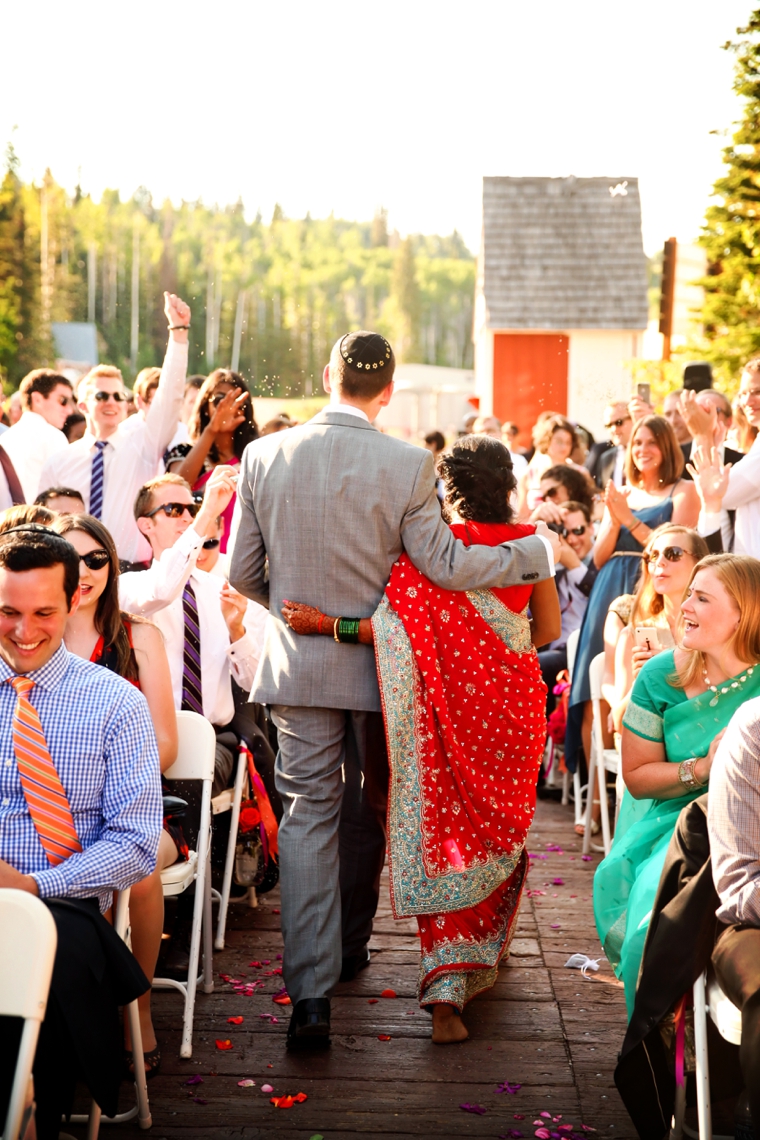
267, 298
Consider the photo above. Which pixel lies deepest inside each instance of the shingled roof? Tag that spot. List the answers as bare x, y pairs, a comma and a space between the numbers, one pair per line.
562, 253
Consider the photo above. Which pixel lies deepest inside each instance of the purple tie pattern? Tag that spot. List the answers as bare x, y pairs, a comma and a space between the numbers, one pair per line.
192, 699
96, 480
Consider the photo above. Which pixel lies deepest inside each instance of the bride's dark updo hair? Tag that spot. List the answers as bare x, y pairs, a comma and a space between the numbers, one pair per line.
478, 479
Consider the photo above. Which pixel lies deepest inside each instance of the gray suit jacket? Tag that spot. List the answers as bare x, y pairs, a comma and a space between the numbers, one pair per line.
332, 505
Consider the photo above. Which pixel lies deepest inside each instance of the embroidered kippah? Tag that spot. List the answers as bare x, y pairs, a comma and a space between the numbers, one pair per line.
365, 351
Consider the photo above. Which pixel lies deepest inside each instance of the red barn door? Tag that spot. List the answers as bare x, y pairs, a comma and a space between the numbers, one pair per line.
529, 377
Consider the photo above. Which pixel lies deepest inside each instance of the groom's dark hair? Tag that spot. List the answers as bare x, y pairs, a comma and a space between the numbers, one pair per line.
478, 477
362, 364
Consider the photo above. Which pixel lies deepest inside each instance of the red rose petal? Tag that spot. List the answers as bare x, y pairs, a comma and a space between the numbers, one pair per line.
388, 994
371, 1001
383, 1037
223, 1045
235, 1020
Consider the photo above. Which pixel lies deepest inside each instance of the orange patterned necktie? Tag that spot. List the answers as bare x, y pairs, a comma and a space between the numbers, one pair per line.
45, 797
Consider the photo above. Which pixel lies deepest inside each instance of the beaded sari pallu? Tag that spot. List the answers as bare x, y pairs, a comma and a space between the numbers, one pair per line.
463, 702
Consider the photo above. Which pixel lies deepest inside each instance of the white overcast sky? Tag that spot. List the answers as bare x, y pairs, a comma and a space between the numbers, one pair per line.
345, 105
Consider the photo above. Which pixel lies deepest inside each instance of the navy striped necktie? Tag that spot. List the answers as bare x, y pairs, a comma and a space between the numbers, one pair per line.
192, 698
96, 479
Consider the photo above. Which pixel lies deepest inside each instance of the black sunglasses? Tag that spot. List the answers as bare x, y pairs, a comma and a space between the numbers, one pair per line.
211, 544
96, 559
65, 401
104, 397
174, 510
579, 530
670, 554
616, 423
550, 493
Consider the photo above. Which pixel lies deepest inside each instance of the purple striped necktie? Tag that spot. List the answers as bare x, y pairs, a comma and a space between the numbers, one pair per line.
96, 479
192, 699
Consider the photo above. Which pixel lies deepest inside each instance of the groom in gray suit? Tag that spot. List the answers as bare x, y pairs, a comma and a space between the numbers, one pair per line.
324, 512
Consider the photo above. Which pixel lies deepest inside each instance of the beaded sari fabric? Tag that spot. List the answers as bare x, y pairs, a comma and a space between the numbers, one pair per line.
463, 702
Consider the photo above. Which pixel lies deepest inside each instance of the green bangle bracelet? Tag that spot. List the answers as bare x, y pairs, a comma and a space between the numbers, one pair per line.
348, 630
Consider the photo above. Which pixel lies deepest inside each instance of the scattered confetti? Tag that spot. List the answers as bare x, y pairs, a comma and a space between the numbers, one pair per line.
384, 1037
476, 1108
267, 1088
235, 1020
558, 882
388, 994
222, 1045
555, 925
586, 858
246, 1084
196, 1080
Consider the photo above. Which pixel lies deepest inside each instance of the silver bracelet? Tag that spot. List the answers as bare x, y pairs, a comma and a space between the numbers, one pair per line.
688, 776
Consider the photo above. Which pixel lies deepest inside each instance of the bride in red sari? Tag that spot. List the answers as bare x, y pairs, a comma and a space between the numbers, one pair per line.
464, 709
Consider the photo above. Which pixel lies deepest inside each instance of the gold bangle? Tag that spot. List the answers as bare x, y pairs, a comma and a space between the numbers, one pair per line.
335, 629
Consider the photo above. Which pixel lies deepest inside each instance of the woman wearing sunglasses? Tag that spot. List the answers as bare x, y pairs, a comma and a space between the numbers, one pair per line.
221, 427
100, 632
680, 705
669, 557
655, 494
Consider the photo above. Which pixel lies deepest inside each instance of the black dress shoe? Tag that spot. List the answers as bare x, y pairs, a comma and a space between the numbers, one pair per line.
352, 966
309, 1027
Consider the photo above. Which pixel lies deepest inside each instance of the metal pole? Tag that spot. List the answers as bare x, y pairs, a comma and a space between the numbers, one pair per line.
134, 337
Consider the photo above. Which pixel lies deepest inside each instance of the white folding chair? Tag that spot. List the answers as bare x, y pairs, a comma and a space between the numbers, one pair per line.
603, 760
230, 800
709, 999
27, 950
578, 788
195, 761
141, 1108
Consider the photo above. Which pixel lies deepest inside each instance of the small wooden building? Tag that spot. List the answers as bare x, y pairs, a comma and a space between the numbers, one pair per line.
561, 297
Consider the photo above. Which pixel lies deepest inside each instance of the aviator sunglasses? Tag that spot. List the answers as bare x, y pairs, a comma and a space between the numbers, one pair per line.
104, 397
174, 510
211, 544
96, 559
616, 423
670, 554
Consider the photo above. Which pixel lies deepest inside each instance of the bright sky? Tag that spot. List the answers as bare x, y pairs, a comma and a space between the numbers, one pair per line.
346, 105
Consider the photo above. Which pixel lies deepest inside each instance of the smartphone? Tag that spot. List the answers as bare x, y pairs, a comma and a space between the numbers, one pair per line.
647, 638
697, 377
644, 392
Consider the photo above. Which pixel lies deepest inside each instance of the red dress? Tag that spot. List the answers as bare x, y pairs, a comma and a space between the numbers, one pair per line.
464, 708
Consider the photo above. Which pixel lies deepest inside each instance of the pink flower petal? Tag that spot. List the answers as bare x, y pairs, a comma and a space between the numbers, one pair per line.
267, 1088
246, 1084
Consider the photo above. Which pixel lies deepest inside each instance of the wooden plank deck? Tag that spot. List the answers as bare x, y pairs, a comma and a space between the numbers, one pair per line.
542, 1026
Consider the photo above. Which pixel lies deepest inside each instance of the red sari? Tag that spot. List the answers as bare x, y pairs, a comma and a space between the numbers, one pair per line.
464, 708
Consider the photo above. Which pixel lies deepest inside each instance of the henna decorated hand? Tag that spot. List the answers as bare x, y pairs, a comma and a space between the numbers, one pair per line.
301, 619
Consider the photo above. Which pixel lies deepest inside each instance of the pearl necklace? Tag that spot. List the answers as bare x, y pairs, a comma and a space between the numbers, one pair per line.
719, 690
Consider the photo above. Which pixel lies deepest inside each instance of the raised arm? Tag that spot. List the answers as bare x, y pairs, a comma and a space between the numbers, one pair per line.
163, 414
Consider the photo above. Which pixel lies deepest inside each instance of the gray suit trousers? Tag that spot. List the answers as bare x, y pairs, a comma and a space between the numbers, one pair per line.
332, 775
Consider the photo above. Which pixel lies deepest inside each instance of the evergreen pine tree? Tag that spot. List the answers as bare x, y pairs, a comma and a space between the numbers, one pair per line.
731, 234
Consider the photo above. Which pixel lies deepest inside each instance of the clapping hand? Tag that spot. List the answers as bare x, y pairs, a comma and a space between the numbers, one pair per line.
233, 611
700, 419
710, 477
177, 311
616, 502
228, 413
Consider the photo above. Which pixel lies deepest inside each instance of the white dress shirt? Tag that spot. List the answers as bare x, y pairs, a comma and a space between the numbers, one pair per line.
733, 817
131, 458
743, 496
157, 593
618, 471
30, 443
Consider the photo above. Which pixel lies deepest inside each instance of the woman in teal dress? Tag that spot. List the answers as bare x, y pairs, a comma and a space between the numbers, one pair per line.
680, 705
654, 494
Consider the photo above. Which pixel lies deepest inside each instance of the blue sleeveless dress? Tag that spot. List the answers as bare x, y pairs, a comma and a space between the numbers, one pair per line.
619, 575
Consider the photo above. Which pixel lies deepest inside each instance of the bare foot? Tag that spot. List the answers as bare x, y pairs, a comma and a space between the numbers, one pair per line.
448, 1026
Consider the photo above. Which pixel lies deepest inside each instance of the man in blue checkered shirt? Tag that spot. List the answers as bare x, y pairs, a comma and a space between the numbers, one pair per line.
100, 738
